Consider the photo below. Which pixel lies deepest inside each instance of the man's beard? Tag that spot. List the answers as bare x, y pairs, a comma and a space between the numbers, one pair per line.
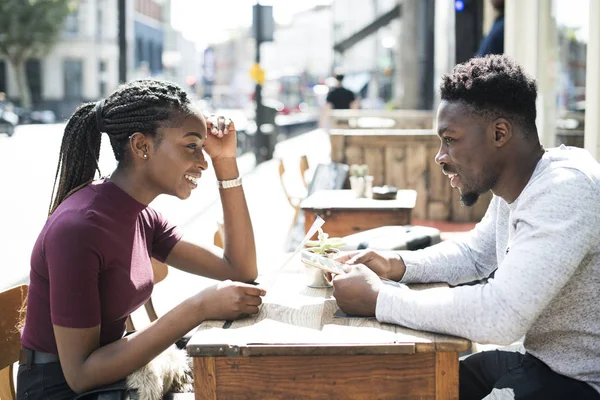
479, 187
469, 199
470, 196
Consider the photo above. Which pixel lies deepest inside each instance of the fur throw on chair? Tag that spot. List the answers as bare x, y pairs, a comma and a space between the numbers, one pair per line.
169, 372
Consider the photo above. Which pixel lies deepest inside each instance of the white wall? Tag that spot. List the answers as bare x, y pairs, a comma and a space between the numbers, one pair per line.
444, 58
529, 41
304, 45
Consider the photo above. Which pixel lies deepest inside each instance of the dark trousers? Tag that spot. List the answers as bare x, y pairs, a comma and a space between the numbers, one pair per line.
527, 377
42, 382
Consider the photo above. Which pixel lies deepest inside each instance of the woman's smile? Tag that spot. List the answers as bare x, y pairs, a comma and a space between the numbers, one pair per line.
192, 180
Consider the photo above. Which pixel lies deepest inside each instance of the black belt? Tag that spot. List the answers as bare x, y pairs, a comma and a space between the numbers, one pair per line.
34, 357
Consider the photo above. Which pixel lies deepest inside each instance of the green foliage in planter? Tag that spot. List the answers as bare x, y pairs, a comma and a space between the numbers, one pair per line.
324, 243
359, 170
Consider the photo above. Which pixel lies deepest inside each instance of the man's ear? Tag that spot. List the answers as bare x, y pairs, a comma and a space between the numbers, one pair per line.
502, 130
140, 145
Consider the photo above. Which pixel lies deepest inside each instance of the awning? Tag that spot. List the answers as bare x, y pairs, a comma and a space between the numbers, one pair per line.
380, 22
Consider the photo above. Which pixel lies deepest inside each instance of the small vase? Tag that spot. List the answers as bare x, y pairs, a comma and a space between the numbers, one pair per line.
368, 186
357, 184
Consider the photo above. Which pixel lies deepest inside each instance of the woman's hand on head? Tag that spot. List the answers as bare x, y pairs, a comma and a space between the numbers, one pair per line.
221, 140
229, 300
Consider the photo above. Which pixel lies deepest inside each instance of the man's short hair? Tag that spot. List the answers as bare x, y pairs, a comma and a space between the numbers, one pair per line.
494, 86
339, 77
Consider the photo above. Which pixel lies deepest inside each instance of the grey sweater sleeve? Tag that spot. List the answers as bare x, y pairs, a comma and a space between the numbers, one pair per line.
458, 261
553, 228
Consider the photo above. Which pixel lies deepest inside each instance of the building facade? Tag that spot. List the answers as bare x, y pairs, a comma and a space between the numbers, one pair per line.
82, 66
181, 61
149, 25
84, 63
299, 57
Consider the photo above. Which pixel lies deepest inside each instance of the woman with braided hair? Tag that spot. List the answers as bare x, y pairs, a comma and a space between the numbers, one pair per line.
91, 265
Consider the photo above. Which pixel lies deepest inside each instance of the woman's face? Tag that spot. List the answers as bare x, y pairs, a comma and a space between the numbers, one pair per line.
178, 161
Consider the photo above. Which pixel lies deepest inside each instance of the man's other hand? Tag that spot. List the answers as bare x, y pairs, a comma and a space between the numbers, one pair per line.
388, 265
356, 291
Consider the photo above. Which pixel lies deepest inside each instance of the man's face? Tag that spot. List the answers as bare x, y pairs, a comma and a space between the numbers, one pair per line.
466, 152
179, 160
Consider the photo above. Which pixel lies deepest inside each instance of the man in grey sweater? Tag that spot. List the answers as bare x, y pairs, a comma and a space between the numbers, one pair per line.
540, 241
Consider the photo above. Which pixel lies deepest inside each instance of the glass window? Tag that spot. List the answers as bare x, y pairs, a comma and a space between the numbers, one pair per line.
73, 79
72, 22
572, 30
139, 51
99, 19
33, 71
3, 87
102, 78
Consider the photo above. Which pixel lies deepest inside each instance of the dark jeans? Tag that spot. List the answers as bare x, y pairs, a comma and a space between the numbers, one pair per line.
47, 382
527, 377
42, 382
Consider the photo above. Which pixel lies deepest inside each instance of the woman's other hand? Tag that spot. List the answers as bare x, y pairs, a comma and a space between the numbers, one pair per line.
221, 139
387, 265
230, 300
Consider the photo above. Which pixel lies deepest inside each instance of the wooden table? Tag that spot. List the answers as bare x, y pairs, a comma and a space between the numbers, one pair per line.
345, 214
296, 349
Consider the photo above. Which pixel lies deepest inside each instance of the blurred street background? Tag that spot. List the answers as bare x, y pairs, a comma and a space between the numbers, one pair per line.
270, 67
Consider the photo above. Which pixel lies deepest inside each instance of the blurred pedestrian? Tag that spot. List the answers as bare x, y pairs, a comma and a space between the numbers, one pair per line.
4, 103
493, 43
340, 98
91, 266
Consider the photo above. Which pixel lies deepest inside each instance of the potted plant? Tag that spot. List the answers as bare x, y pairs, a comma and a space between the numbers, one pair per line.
319, 251
360, 180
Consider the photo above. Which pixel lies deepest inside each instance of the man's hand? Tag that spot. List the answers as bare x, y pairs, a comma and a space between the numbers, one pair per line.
388, 265
356, 291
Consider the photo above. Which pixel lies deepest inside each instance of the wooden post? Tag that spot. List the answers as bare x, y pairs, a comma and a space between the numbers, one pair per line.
446, 375
205, 378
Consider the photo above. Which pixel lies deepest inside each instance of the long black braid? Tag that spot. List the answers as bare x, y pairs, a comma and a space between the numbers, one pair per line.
139, 106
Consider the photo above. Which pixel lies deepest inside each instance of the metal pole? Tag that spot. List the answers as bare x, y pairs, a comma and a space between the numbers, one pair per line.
122, 42
392, 72
260, 145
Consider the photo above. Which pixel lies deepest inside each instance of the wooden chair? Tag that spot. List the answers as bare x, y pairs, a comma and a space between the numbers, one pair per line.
304, 166
328, 176
294, 198
11, 314
137, 319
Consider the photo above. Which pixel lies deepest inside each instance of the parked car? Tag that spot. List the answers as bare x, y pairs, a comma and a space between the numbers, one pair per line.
8, 120
28, 116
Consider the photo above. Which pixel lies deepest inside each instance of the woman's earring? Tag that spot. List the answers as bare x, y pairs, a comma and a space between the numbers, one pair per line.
145, 155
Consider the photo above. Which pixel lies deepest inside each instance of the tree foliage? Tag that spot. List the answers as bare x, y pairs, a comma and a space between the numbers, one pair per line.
29, 28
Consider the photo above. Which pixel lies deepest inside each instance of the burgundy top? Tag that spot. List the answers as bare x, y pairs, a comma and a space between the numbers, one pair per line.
91, 264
